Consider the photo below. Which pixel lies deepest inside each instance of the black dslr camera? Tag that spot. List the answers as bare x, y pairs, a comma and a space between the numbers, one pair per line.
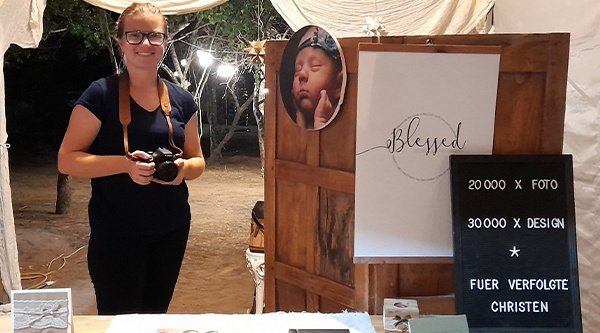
164, 165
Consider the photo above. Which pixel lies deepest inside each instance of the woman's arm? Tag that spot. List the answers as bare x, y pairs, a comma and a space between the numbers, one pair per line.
74, 157
194, 163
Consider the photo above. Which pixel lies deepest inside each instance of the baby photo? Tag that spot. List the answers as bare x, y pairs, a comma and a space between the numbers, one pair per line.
312, 77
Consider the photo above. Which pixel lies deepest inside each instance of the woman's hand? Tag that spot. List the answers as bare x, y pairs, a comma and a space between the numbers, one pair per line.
180, 162
191, 164
141, 172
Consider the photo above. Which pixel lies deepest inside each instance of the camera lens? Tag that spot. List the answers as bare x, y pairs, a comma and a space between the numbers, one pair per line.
166, 171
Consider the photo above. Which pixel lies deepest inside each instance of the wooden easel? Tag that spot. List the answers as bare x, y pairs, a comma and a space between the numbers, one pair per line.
309, 179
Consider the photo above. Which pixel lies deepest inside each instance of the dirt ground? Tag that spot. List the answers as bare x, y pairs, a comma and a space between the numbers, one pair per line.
214, 277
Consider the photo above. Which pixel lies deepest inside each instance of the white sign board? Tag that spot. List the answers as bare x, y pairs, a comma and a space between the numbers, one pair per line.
416, 107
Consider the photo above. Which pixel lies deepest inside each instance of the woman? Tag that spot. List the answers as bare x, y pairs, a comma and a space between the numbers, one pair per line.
139, 224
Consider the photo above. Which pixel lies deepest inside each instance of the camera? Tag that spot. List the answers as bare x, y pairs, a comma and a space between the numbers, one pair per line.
164, 165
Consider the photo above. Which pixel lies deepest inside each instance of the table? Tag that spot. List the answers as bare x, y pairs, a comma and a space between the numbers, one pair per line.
82, 324
99, 324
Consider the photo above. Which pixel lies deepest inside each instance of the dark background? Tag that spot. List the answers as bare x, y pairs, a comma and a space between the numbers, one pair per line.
40, 95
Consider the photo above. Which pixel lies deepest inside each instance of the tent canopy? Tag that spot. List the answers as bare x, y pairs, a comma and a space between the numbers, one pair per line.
167, 7
348, 18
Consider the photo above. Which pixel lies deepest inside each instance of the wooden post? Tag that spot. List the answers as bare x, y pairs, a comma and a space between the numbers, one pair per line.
63, 193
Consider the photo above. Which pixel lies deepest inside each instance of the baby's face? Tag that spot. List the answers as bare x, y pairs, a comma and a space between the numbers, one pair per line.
314, 72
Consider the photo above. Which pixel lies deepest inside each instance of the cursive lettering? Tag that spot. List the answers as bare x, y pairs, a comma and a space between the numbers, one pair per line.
410, 137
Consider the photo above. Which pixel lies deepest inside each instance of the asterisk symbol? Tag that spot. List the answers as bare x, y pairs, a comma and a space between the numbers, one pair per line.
514, 252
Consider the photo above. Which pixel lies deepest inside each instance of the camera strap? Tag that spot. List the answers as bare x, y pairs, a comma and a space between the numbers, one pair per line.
125, 110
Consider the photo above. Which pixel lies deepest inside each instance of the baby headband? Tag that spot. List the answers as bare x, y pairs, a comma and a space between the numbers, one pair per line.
324, 41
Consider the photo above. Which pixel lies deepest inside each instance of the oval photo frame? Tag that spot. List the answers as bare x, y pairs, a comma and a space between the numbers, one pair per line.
312, 77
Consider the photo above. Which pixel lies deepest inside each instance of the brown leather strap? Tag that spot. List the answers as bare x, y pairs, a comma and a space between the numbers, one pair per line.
125, 110
163, 94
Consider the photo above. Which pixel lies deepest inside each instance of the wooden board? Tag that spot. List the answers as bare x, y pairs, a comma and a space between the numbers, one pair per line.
309, 177
515, 242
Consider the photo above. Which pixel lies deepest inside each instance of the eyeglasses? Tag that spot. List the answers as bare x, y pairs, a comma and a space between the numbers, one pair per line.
137, 37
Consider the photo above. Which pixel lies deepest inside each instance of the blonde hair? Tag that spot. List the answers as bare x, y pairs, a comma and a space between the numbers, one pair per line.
138, 8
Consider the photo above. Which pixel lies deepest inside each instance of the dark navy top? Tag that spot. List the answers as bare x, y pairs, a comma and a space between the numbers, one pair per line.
118, 206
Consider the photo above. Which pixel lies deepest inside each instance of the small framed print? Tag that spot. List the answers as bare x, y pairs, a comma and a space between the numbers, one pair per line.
42, 310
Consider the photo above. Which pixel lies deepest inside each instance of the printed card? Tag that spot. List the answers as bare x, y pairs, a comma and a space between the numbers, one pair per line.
35, 311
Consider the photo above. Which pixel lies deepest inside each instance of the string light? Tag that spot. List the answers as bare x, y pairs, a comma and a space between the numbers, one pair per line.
205, 59
225, 71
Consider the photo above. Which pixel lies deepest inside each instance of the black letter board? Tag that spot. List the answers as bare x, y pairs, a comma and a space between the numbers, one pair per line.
515, 249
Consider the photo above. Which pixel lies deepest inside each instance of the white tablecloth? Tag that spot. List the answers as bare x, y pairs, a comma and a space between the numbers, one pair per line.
278, 322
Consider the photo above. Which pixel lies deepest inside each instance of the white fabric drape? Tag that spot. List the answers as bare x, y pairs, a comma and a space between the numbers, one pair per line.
346, 18
582, 120
21, 24
167, 7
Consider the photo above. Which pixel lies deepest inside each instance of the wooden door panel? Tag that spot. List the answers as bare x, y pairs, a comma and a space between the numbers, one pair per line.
309, 178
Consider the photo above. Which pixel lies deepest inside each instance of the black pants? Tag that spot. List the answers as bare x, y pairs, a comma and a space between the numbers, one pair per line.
135, 275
